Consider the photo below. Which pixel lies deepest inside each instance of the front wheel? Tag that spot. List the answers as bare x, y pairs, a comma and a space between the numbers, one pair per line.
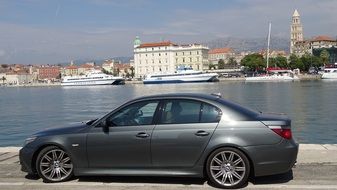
54, 165
228, 168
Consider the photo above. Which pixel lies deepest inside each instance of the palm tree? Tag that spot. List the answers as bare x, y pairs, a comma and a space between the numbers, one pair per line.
3, 79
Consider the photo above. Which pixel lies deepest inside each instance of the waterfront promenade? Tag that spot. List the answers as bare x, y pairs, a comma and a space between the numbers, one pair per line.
316, 169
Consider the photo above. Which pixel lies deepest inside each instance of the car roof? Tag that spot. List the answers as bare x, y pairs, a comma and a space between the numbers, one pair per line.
182, 95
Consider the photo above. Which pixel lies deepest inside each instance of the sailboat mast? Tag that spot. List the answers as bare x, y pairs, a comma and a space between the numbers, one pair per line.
268, 44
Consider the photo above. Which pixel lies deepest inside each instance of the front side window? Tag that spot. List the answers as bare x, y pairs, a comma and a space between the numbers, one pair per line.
140, 113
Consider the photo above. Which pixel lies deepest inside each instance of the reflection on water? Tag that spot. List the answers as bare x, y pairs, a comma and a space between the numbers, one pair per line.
311, 105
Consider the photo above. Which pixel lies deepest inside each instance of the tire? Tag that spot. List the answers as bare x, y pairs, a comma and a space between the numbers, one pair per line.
228, 168
54, 165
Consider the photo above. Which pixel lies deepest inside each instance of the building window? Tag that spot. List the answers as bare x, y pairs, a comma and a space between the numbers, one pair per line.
145, 55
190, 59
183, 53
159, 61
190, 53
165, 53
152, 49
197, 52
183, 60
176, 60
152, 61
159, 54
176, 54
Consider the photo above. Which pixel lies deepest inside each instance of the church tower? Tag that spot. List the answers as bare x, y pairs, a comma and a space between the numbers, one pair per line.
296, 33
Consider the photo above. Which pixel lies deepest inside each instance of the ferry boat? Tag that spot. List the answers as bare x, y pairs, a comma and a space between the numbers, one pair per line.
274, 74
182, 75
93, 77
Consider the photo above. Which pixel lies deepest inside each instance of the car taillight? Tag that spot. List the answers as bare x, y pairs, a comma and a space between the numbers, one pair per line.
283, 132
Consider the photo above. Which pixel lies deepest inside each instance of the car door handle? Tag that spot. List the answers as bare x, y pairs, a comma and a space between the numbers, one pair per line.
201, 133
142, 135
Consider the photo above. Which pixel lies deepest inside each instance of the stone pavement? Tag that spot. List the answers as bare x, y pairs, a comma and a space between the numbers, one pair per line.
316, 169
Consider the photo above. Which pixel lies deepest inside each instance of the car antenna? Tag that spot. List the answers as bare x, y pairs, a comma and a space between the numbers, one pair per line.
217, 94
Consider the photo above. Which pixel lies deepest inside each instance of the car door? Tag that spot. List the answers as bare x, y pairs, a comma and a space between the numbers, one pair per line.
182, 133
127, 143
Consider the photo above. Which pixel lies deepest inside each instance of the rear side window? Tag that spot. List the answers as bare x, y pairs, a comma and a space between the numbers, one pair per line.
210, 114
188, 111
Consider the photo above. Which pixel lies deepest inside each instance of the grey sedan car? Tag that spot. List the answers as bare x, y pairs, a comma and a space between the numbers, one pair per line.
195, 135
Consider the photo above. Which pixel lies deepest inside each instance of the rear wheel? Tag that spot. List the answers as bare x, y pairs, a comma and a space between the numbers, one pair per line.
228, 168
54, 165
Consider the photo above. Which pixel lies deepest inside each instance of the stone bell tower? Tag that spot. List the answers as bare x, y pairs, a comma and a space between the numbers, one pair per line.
296, 31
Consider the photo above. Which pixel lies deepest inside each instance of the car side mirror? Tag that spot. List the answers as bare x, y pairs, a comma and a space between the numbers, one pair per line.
104, 126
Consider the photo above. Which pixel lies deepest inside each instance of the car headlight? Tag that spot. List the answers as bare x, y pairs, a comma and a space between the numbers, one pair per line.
29, 140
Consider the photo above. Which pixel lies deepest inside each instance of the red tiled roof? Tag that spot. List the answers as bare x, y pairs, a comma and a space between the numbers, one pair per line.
220, 50
71, 67
157, 44
86, 66
323, 38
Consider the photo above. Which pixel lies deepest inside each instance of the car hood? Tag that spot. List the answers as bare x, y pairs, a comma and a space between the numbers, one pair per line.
74, 128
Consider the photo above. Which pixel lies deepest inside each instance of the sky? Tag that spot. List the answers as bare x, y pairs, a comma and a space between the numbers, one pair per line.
58, 31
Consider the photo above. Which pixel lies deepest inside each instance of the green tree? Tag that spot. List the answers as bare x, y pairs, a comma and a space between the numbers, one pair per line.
106, 71
295, 62
232, 61
211, 66
307, 61
278, 61
253, 61
316, 61
325, 56
132, 71
3, 79
221, 64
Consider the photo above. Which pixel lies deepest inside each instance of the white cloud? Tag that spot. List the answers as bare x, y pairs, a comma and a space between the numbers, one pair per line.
28, 44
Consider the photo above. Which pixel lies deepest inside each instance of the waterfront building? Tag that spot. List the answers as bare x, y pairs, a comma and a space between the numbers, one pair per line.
18, 78
71, 70
214, 55
274, 53
84, 68
315, 44
165, 57
49, 73
296, 31
109, 65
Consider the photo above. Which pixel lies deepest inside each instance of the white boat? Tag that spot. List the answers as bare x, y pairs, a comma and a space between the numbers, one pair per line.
93, 77
274, 75
182, 75
330, 73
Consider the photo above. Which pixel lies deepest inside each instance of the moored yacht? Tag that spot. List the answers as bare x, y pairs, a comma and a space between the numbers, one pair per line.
330, 73
182, 75
93, 77
274, 75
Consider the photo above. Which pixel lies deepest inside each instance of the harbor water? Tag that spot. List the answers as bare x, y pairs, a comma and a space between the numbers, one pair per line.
312, 105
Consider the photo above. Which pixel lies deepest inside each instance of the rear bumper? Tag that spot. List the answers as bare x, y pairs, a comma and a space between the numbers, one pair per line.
26, 156
273, 159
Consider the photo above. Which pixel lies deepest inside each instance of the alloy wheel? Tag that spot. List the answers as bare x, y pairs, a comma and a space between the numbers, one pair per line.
55, 165
228, 168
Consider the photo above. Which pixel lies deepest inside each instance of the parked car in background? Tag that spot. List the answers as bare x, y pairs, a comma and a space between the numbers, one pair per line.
195, 135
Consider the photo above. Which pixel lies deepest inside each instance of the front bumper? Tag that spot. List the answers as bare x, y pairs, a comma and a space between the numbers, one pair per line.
273, 159
26, 159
